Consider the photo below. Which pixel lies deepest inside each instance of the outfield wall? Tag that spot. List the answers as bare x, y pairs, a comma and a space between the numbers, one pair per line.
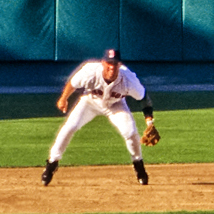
74, 30
169, 44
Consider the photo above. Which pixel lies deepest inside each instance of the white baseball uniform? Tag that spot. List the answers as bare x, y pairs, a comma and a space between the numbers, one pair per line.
100, 98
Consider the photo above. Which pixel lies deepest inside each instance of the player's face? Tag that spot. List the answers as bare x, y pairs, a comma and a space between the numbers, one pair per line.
110, 71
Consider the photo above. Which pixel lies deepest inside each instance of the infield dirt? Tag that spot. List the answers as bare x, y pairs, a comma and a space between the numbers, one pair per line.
108, 189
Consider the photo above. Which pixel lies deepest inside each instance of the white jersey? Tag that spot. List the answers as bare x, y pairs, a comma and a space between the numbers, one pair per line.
90, 78
101, 98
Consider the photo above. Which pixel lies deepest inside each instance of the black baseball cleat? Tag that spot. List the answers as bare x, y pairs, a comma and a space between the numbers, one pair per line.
48, 173
141, 174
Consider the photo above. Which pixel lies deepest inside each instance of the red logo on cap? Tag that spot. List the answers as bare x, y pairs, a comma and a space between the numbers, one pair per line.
111, 53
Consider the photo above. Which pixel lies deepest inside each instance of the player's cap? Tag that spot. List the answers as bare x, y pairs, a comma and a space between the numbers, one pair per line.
112, 55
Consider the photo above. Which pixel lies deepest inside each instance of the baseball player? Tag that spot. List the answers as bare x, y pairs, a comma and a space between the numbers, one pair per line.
106, 83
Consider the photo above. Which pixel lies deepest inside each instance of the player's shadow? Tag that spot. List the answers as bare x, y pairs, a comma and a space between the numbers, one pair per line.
203, 183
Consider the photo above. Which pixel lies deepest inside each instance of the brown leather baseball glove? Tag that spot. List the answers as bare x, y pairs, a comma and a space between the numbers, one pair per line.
150, 136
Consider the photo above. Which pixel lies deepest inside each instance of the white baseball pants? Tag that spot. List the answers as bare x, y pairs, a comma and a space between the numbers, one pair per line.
85, 110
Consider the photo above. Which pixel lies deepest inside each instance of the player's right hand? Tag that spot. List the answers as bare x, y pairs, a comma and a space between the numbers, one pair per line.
62, 105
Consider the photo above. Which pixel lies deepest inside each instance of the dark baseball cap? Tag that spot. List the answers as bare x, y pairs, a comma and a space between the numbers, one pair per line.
112, 55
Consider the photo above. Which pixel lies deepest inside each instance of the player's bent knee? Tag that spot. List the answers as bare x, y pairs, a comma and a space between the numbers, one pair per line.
68, 128
131, 133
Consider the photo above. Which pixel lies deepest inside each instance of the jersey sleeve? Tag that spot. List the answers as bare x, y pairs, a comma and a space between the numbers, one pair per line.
135, 88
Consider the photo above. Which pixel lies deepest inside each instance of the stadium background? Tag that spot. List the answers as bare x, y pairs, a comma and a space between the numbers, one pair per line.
169, 44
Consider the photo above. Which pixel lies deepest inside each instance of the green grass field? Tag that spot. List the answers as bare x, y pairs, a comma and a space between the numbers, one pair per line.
186, 138
186, 135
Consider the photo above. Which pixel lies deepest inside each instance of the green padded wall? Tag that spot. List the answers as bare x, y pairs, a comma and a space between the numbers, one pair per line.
151, 30
85, 28
198, 22
75, 30
26, 30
